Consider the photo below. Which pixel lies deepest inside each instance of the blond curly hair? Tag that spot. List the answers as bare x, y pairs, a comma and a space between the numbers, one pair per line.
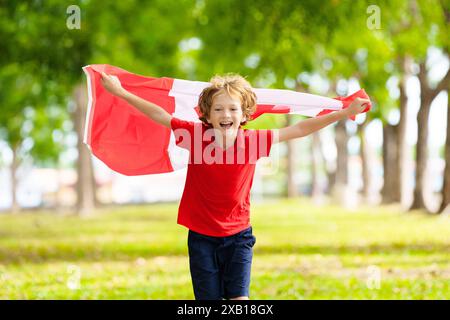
233, 84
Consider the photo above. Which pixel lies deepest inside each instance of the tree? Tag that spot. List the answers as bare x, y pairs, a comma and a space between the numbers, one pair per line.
61, 52
14, 97
446, 187
360, 58
53, 62
435, 24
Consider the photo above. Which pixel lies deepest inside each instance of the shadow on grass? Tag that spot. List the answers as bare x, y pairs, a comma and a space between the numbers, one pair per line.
93, 253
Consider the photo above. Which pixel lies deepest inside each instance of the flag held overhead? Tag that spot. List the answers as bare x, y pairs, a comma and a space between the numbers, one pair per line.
130, 143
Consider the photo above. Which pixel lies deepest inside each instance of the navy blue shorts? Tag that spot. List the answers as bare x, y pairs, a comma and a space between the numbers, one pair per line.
220, 266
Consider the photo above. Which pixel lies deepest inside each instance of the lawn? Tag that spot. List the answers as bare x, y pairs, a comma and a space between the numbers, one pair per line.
302, 252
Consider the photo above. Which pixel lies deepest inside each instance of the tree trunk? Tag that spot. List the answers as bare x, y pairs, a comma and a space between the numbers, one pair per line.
422, 139
85, 186
340, 190
15, 208
331, 179
446, 188
444, 207
365, 160
331, 166
427, 95
421, 154
390, 190
290, 157
342, 154
401, 130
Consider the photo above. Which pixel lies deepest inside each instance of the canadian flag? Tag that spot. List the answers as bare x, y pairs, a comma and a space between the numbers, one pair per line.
132, 144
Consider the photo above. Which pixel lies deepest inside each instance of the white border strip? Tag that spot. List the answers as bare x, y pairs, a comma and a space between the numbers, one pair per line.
89, 107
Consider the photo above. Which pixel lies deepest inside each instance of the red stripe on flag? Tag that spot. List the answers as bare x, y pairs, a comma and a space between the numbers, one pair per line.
118, 130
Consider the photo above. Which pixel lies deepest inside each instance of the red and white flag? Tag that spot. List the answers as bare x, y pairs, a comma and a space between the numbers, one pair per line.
130, 143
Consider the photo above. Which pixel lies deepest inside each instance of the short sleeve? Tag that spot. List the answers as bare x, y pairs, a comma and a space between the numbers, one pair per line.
177, 123
183, 131
265, 139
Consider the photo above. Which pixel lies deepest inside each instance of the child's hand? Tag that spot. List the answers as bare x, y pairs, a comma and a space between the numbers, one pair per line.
112, 84
357, 106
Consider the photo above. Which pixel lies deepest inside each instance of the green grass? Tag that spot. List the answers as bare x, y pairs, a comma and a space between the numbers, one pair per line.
302, 252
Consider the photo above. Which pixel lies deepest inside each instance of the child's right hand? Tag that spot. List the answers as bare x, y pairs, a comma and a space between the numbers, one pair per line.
112, 84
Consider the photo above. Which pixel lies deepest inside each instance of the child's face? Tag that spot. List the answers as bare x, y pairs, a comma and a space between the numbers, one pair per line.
226, 113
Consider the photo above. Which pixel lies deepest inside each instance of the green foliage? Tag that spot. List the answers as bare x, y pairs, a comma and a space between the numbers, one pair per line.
269, 42
140, 35
42, 60
19, 88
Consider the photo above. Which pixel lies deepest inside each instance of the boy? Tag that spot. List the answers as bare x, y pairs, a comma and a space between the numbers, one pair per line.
215, 205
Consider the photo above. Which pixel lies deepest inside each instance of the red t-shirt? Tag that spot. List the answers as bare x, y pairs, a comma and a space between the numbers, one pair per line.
216, 197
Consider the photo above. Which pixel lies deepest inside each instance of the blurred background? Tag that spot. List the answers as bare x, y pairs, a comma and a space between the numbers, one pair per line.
394, 160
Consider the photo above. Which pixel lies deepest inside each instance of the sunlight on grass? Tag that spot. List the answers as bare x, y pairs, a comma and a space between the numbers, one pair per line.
302, 252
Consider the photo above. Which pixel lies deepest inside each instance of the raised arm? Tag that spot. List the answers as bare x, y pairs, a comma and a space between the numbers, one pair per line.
151, 110
308, 126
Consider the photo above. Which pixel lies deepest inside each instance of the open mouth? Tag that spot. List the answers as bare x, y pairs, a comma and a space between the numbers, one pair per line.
226, 124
